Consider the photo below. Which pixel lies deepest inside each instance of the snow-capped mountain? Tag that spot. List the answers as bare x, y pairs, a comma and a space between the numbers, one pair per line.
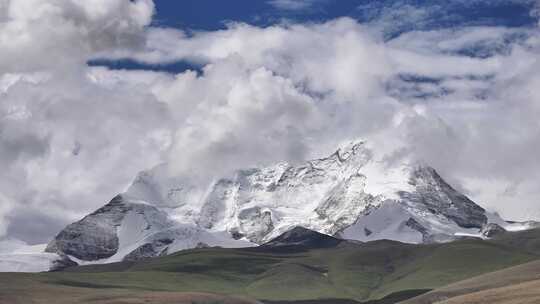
350, 194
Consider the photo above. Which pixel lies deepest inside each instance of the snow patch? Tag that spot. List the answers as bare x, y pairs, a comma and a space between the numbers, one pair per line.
385, 223
17, 256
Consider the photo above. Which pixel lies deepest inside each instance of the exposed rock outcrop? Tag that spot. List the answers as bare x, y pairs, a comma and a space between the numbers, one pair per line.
94, 237
491, 230
438, 197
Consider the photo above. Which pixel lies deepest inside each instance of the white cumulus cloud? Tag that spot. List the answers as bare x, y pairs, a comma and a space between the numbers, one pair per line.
72, 136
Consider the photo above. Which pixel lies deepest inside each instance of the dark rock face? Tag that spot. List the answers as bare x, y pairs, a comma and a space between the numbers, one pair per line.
201, 245
491, 230
440, 198
367, 232
149, 250
62, 263
427, 236
257, 222
94, 237
302, 237
414, 225
236, 234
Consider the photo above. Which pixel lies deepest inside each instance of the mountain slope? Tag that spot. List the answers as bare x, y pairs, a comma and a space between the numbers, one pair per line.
352, 194
503, 286
493, 285
522, 293
348, 270
131, 231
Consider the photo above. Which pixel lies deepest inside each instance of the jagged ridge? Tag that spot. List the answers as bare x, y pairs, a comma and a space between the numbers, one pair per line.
351, 194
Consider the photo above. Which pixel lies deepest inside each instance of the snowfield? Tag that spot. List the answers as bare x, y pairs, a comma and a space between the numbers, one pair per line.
24, 258
352, 194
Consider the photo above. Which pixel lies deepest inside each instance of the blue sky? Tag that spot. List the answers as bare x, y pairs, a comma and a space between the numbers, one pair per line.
394, 17
212, 15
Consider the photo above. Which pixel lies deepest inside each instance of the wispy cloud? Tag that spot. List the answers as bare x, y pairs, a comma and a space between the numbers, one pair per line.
74, 135
292, 5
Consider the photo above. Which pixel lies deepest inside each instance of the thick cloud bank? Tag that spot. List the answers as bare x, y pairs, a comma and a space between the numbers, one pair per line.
68, 142
464, 100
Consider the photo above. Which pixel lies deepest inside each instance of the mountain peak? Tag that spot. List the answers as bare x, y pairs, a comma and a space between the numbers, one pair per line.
354, 193
303, 237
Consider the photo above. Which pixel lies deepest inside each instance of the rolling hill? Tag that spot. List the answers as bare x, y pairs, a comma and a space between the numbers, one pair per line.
518, 284
279, 272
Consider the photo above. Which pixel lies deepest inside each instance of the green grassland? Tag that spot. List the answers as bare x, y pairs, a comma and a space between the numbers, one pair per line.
358, 272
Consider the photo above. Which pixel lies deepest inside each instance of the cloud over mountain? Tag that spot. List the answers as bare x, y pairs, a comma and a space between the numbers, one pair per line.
71, 136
